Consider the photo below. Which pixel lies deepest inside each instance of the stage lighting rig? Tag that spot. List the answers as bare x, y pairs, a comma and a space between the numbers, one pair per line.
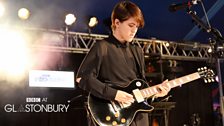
93, 21
23, 13
70, 19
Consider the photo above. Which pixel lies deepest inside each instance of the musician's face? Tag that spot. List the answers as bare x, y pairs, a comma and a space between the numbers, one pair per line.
126, 30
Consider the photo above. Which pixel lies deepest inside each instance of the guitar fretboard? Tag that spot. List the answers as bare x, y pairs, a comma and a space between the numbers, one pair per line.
148, 92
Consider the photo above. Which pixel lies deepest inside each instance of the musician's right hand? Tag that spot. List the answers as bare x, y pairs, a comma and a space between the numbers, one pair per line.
124, 97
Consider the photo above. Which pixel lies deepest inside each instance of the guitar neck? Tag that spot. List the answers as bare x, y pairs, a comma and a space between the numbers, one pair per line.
148, 92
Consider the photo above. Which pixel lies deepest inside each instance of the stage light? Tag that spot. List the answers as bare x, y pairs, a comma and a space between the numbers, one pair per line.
93, 21
167, 44
195, 45
210, 50
216, 78
70, 19
13, 53
220, 48
23, 13
2, 10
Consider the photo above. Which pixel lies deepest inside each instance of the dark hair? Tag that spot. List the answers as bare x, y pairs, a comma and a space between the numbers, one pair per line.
125, 10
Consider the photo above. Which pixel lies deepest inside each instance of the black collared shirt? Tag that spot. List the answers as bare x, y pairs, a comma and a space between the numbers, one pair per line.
109, 63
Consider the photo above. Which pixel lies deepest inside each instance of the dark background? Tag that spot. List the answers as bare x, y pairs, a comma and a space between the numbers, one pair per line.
160, 22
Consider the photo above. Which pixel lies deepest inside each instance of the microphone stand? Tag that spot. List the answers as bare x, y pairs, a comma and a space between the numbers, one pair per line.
215, 43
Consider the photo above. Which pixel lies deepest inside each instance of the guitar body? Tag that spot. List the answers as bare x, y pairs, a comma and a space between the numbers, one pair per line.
111, 113
107, 113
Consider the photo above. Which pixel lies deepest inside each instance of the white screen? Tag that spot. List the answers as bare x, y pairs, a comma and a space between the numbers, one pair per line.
45, 78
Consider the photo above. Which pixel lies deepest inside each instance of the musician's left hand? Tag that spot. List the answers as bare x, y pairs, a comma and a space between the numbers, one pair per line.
163, 90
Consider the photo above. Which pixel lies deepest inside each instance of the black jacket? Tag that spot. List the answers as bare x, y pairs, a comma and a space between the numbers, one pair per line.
110, 63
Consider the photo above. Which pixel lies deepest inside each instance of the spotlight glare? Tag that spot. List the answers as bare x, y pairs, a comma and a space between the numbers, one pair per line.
217, 79
23, 13
2, 10
93, 22
210, 50
167, 44
13, 53
70, 19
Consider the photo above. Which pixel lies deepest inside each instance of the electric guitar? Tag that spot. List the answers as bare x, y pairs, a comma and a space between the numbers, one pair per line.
112, 113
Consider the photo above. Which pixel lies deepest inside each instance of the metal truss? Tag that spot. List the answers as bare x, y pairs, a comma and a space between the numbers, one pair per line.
176, 51
76, 42
166, 49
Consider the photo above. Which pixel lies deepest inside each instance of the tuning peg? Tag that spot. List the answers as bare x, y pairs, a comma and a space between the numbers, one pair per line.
205, 81
209, 80
205, 68
213, 80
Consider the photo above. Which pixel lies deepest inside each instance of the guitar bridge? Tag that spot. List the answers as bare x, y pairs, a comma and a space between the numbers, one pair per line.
117, 113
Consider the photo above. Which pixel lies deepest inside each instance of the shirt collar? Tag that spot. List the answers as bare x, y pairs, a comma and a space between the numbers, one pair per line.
113, 40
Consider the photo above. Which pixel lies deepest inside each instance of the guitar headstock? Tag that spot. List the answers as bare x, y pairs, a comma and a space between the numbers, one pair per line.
207, 74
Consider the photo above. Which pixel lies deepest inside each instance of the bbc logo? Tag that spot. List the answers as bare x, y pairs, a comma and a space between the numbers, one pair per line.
33, 99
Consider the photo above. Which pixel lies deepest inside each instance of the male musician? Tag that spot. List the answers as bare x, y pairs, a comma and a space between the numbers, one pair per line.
115, 61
